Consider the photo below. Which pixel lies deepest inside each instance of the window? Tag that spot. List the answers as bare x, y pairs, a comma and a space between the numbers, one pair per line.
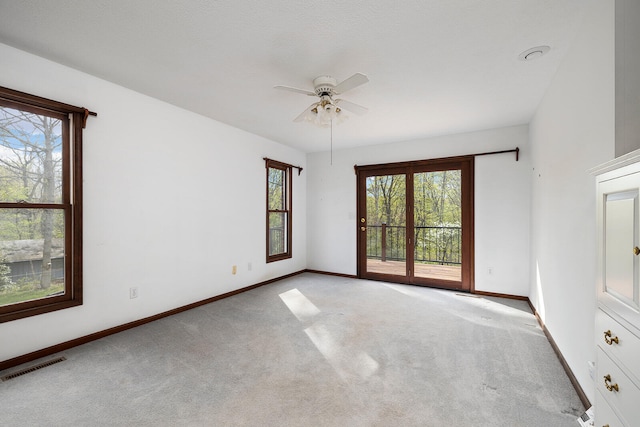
40, 205
278, 210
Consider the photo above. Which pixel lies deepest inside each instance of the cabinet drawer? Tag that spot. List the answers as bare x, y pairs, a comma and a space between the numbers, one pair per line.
604, 414
626, 350
625, 400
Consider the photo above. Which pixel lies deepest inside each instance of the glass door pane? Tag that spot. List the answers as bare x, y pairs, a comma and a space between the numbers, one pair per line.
438, 225
386, 225
620, 224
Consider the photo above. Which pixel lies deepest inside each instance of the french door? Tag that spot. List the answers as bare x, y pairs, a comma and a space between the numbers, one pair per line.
415, 222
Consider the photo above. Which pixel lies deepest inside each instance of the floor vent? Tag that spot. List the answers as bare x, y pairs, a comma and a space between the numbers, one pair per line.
33, 368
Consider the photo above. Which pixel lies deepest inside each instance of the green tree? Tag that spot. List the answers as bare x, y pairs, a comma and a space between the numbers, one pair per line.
5, 275
438, 214
30, 170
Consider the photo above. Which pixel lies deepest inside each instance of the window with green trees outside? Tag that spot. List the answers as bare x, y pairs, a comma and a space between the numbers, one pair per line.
40, 205
278, 211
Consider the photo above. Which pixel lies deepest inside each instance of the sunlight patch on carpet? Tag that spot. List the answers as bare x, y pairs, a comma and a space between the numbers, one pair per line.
299, 305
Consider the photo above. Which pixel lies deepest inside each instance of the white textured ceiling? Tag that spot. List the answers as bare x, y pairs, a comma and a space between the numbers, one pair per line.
435, 66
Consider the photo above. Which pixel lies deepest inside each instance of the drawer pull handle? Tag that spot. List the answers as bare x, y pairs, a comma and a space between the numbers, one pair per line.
610, 387
608, 339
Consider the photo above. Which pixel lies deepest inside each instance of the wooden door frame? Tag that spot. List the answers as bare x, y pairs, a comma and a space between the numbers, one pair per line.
463, 163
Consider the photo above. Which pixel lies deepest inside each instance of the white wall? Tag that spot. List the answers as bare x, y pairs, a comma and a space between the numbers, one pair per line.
501, 203
171, 201
572, 131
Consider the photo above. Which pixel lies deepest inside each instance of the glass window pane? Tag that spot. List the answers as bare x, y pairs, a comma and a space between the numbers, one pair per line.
276, 189
438, 225
31, 254
386, 224
277, 233
30, 157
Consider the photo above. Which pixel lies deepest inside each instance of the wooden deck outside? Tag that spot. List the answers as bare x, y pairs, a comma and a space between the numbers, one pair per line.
430, 271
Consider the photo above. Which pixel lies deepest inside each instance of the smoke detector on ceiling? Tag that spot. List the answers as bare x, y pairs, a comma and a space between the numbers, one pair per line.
533, 53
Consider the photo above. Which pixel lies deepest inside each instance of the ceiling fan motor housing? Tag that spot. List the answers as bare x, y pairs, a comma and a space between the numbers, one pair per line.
324, 85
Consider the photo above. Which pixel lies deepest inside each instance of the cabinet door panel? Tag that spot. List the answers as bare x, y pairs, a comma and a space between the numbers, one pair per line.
619, 235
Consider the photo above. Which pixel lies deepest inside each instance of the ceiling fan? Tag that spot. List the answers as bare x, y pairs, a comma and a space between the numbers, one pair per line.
327, 109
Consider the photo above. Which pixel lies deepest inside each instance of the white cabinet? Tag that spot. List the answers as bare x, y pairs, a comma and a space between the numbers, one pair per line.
618, 289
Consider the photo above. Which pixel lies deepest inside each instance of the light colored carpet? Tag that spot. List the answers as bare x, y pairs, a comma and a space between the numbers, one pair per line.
311, 350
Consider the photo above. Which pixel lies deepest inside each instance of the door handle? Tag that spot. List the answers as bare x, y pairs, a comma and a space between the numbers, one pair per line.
363, 228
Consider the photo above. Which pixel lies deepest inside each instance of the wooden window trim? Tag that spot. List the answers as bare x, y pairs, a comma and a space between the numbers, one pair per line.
73, 121
287, 168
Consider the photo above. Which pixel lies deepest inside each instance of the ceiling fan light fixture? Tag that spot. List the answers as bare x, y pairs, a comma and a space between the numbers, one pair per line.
326, 111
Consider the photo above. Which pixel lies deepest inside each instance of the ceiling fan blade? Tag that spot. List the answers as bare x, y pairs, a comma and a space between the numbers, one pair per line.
303, 116
354, 81
295, 89
350, 106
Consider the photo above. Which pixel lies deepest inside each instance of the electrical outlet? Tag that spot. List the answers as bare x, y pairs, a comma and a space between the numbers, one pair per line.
133, 292
249, 266
490, 270
234, 269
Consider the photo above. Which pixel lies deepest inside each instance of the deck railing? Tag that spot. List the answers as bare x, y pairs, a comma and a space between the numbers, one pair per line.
433, 245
